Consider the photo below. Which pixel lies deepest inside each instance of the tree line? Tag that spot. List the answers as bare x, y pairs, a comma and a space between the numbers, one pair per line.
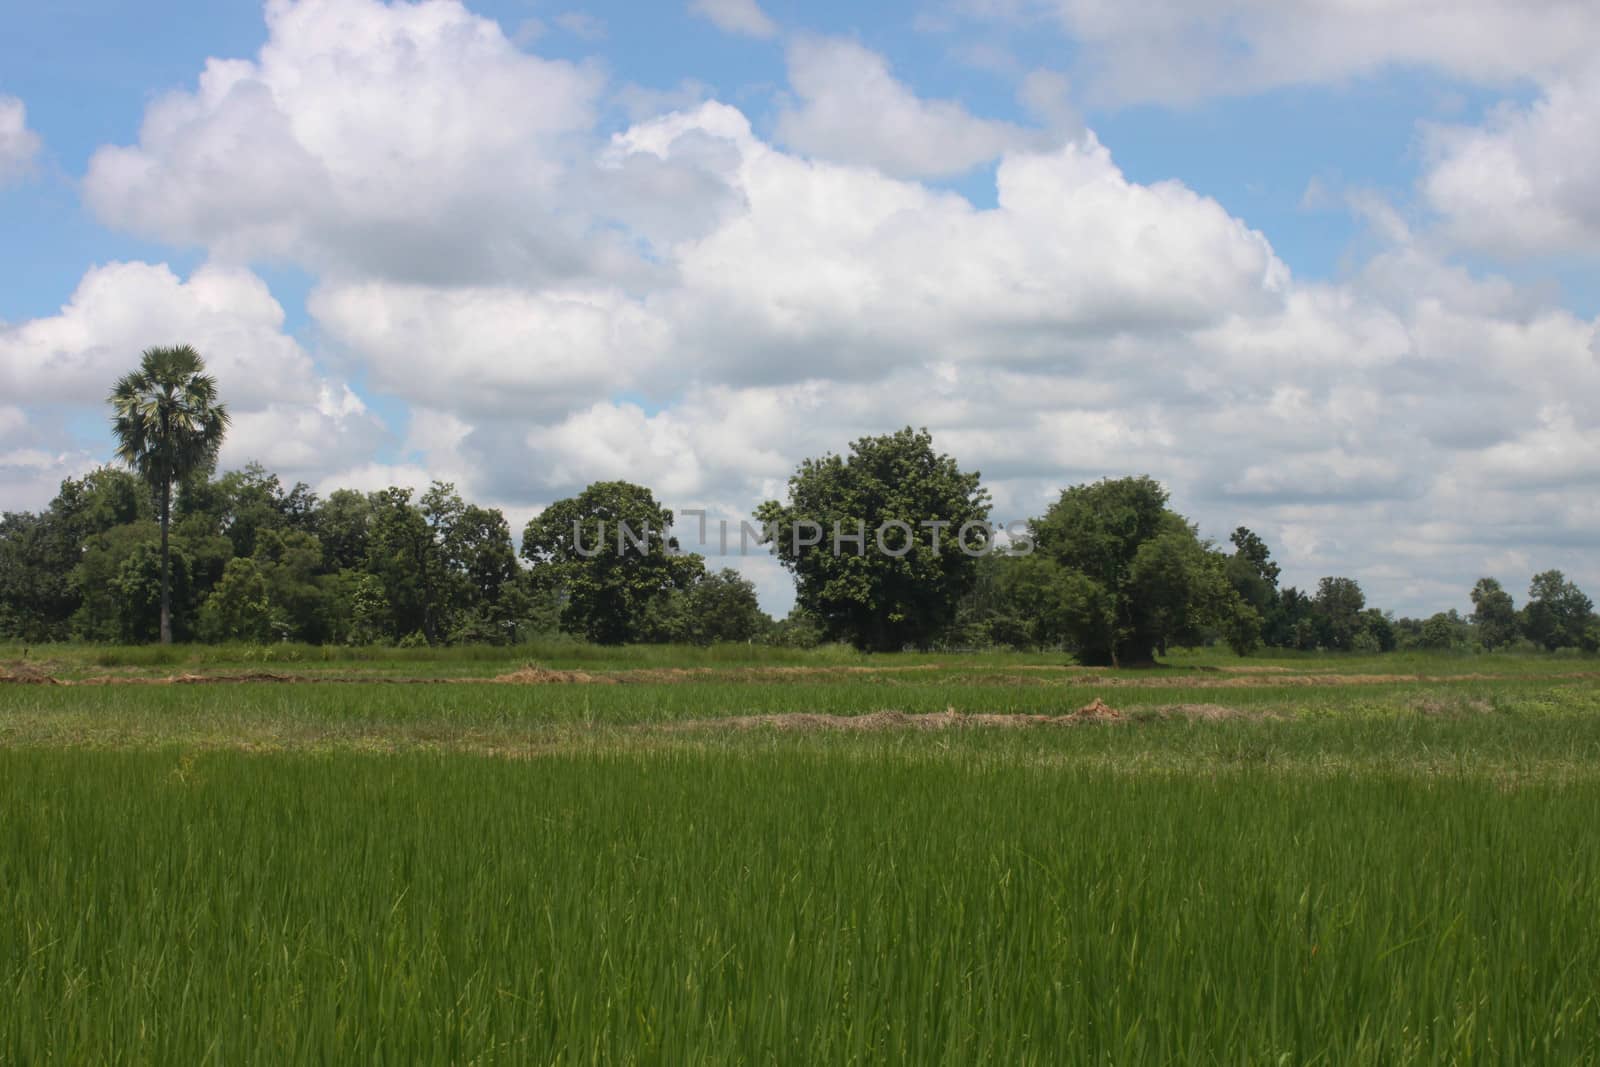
163, 548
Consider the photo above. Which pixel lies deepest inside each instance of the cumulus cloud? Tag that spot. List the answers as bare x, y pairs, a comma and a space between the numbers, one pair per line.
18, 144
286, 414
404, 140
850, 108
743, 17
492, 350
696, 307
1527, 181
1178, 51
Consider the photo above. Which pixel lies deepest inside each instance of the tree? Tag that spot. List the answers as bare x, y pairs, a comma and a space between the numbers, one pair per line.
168, 425
1254, 576
239, 504
1292, 625
882, 543
1558, 612
1336, 613
240, 607
1442, 631
403, 555
1139, 574
722, 606
609, 552
343, 523
1494, 614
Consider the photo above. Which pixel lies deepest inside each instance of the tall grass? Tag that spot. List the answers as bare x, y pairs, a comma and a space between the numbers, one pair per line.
821, 904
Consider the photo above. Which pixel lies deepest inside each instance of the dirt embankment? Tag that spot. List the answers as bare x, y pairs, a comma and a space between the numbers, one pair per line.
1241, 677
1095, 712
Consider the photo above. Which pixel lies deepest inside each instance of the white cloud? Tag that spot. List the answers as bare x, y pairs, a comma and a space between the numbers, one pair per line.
582, 25
492, 350
1527, 181
690, 306
285, 413
851, 109
18, 144
404, 140
743, 17
1177, 51
13, 420
120, 309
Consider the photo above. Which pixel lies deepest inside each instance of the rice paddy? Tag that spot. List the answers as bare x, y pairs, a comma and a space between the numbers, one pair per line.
610, 857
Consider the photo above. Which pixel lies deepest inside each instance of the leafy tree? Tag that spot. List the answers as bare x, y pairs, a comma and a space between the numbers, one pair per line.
481, 589
1336, 612
38, 553
1558, 612
1376, 632
1292, 624
403, 555
147, 581
722, 606
168, 425
1494, 614
291, 561
1442, 631
989, 614
358, 611
1252, 572
1055, 605
903, 587
798, 629
1140, 575
238, 505
240, 607
343, 523
609, 553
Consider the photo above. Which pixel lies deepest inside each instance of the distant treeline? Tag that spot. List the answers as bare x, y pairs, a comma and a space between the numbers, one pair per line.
1114, 575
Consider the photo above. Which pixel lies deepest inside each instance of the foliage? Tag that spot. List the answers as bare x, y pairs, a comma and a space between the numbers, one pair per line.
169, 426
1558, 613
1494, 614
1136, 578
608, 552
857, 534
911, 899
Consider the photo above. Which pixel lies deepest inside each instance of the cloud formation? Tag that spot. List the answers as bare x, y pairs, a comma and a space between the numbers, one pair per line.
411, 141
1527, 181
743, 17
851, 109
1175, 51
286, 414
19, 146
696, 305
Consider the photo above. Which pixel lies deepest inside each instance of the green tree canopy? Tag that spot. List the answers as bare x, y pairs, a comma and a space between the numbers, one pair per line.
881, 593
610, 555
1137, 576
1558, 612
168, 425
1494, 614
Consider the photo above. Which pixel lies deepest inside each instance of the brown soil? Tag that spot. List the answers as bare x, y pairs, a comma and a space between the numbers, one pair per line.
1094, 712
24, 674
1240, 677
541, 676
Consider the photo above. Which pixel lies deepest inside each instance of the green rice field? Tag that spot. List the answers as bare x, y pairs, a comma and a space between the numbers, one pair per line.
576, 855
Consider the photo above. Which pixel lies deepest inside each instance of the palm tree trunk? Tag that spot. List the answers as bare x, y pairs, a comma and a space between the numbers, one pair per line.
166, 563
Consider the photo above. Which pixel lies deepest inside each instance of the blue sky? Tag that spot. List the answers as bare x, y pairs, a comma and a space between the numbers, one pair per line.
1331, 278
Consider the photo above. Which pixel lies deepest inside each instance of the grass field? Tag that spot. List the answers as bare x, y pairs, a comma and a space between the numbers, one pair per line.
270, 856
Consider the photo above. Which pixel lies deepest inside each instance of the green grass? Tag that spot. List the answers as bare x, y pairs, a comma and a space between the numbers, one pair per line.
1367, 861
75, 660
794, 902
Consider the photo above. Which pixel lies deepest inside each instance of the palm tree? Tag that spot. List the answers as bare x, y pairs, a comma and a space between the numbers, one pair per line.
168, 425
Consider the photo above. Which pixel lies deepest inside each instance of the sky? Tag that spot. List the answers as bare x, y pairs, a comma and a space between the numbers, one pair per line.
1329, 269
